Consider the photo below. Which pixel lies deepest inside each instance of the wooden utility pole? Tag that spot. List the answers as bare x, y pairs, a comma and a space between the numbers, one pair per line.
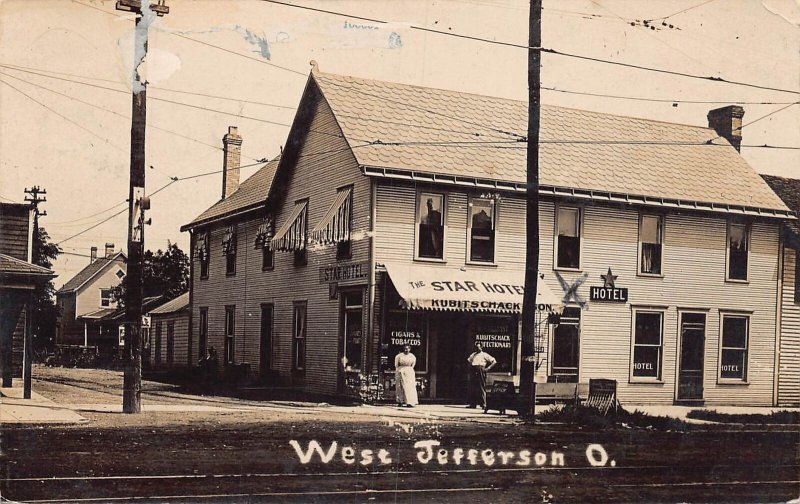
27, 347
526, 386
145, 10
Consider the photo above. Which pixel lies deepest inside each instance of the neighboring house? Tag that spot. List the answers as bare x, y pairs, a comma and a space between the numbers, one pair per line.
788, 382
396, 215
86, 298
18, 279
168, 341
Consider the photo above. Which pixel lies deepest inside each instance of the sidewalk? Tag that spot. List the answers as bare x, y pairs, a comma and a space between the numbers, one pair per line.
16, 410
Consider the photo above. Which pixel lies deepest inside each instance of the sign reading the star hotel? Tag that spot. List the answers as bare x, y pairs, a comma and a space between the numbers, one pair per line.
609, 291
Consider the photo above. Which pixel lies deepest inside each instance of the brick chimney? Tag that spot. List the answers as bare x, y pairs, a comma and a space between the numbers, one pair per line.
727, 122
109, 249
232, 149
92, 255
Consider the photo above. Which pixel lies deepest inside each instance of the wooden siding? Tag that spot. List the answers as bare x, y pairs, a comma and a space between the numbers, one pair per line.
789, 367
180, 339
15, 229
314, 177
88, 297
694, 277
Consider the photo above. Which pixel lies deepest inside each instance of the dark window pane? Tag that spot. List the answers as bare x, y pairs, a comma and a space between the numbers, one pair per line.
569, 251
734, 332
267, 258
431, 226
734, 363
565, 347
648, 328
651, 258
646, 361
737, 252
353, 338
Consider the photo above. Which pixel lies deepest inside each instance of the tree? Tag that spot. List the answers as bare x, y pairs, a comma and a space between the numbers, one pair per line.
45, 311
164, 273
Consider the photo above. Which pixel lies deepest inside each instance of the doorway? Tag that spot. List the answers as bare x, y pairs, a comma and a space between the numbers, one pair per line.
565, 355
265, 350
690, 366
450, 331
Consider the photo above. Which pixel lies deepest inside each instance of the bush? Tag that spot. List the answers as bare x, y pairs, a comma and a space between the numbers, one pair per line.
777, 417
590, 417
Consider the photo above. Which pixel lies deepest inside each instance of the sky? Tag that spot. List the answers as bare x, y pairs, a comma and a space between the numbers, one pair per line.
66, 67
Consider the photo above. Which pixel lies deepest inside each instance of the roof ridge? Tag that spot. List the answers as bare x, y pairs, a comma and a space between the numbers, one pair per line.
512, 100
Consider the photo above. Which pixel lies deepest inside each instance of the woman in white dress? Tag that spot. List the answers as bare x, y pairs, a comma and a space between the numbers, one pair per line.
405, 378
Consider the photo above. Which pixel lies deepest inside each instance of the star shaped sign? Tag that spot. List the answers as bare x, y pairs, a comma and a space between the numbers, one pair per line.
608, 279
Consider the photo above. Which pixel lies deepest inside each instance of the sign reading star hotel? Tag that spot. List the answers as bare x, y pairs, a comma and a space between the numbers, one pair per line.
609, 291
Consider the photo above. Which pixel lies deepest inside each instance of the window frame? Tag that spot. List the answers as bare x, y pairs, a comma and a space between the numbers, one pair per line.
230, 256
106, 299
344, 311
659, 378
734, 381
344, 249
301, 256
581, 215
748, 240
494, 205
662, 228
230, 335
170, 342
202, 331
419, 195
267, 252
303, 307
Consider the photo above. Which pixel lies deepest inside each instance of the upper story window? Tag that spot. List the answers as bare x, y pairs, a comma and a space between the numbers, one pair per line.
738, 251
430, 225
481, 230
229, 249
105, 297
568, 238
651, 244
264, 235
733, 348
201, 246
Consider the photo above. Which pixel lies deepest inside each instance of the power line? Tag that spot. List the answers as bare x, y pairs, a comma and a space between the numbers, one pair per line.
246, 56
665, 100
550, 51
681, 11
152, 87
199, 107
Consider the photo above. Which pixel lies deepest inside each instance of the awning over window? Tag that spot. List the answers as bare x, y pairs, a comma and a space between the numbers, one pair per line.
335, 226
292, 235
201, 246
265, 233
229, 241
432, 288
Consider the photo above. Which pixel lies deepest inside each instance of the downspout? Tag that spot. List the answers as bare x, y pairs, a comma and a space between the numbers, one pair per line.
190, 334
778, 320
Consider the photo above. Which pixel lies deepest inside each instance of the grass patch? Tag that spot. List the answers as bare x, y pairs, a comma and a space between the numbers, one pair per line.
778, 417
590, 417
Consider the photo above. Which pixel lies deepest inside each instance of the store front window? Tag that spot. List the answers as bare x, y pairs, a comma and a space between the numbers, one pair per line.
565, 356
407, 328
498, 337
352, 329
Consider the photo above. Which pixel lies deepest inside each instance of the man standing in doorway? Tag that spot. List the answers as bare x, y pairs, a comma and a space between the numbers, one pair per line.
480, 363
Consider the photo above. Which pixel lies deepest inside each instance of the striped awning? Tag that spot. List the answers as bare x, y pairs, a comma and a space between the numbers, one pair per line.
291, 237
265, 233
201, 246
335, 226
229, 240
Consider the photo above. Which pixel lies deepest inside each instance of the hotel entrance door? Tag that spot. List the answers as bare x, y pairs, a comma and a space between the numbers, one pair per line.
690, 373
452, 350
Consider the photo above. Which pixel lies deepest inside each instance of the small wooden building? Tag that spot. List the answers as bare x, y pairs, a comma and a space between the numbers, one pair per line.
396, 215
167, 344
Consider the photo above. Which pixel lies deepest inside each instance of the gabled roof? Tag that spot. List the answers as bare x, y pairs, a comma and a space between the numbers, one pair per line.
398, 130
13, 266
179, 303
251, 194
789, 191
90, 271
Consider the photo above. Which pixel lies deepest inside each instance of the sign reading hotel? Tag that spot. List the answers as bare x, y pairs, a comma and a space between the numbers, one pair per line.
608, 292
344, 272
